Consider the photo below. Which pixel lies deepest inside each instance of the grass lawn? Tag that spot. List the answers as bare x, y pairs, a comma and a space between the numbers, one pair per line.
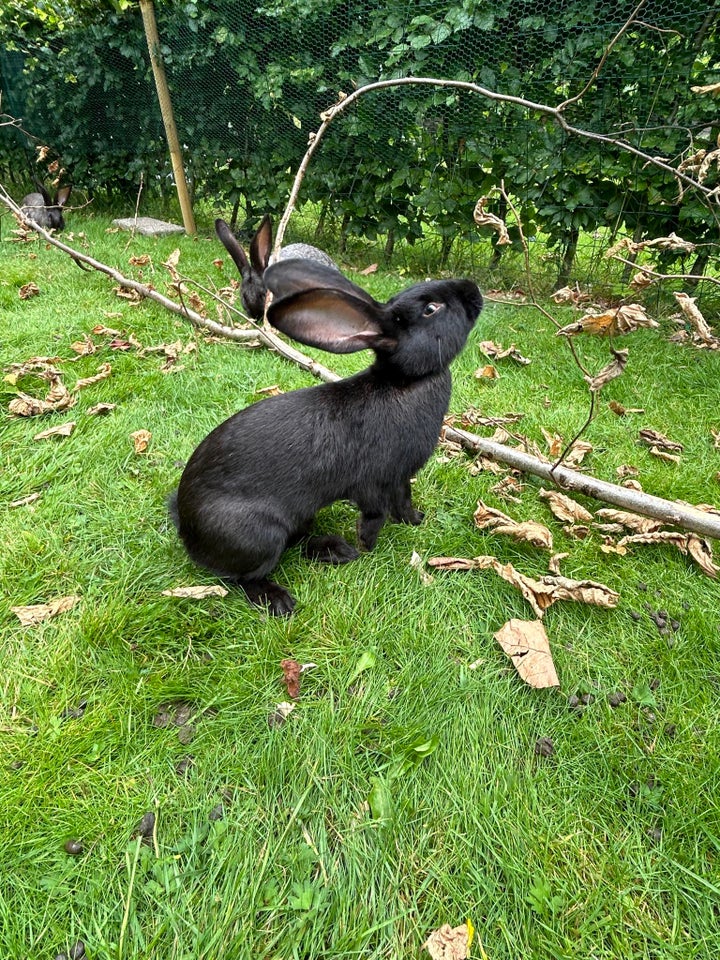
404, 791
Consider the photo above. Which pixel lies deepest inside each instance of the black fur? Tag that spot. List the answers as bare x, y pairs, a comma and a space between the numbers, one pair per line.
255, 483
252, 268
46, 210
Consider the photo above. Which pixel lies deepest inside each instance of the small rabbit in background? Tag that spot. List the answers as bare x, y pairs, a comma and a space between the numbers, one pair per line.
44, 210
252, 268
255, 483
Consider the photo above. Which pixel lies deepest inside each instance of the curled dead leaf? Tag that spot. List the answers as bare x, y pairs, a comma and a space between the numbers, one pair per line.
32, 615
630, 521
554, 562
58, 398
564, 507
84, 347
488, 372
28, 290
140, 261
485, 219
527, 645
197, 592
692, 312
496, 352
450, 943
416, 562
529, 530
141, 440
100, 409
24, 501
541, 593
611, 323
660, 441
61, 430
104, 371
614, 369
690, 544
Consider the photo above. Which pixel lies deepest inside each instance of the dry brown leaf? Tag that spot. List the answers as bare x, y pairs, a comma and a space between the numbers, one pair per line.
449, 943
630, 521
100, 409
496, 352
291, 677
372, 268
58, 398
416, 562
632, 484
126, 293
554, 562
273, 391
24, 501
692, 312
708, 88
488, 372
554, 442
653, 438
527, 645
611, 547
640, 280
472, 417
171, 264
280, 714
529, 531
84, 347
541, 593
671, 242
508, 488
626, 470
614, 369
611, 323
699, 549
103, 331
37, 613
197, 592
716, 438
570, 295
664, 455
104, 371
141, 440
564, 507
484, 219
61, 430
28, 290
140, 261
578, 451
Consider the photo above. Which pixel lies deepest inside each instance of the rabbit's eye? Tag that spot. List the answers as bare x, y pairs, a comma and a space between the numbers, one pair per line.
431, 308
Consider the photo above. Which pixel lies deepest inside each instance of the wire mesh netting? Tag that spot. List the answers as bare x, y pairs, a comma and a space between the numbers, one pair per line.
248, 85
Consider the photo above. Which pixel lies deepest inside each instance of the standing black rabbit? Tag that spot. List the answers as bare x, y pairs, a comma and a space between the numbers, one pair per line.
44, 210
255, 483
252, 269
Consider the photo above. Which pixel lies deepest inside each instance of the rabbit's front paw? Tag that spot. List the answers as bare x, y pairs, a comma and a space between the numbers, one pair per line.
330, 549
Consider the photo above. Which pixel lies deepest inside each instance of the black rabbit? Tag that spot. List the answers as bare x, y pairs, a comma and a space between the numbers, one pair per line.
252, 268
44, 210
255, 483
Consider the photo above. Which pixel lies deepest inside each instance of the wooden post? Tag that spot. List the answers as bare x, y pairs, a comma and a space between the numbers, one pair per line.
153, 41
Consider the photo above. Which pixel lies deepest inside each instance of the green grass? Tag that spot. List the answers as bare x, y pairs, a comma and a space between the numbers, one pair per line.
608, 849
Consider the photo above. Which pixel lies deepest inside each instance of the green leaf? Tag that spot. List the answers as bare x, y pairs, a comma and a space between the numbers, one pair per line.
380, 800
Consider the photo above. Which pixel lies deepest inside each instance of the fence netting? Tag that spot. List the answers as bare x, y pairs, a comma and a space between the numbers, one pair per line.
404, 164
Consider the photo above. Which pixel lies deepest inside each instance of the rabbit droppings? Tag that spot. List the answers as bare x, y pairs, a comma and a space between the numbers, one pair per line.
256, 481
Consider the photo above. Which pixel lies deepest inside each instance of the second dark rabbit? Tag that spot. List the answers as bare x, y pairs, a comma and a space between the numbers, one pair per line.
252, 268
45, 210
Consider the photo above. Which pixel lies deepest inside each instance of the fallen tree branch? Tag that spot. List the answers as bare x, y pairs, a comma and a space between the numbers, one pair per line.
267, 337
679, 515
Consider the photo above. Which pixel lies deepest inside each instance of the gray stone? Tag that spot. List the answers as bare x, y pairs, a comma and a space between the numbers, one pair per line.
148, 226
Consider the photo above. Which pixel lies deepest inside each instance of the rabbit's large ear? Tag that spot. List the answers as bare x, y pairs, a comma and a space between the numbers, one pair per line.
287, 277
47, 199
62, 196
261, 245
228, 240
334, 320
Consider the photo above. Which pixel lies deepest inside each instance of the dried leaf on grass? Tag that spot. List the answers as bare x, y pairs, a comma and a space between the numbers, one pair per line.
689, 544
291, 677
611, 323
416, 562
565, 508
529, 530
450, 943
28, 290
572, 295
554, 562
84, 347
104, 371
620, 411
630, 521
671, 242
37, 613
24, 501
664, 455
527, 645
658, 440
496, 352
58, 398
62, 430
280, 714
485, 219
100, 409
141, 440
197, 592
488, 372
540, 594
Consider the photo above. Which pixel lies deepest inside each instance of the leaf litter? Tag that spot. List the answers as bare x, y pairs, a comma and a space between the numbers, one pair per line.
526, 644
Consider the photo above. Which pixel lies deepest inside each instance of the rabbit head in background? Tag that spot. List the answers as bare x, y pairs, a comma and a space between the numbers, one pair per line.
252, 268
45, 210
256, 481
